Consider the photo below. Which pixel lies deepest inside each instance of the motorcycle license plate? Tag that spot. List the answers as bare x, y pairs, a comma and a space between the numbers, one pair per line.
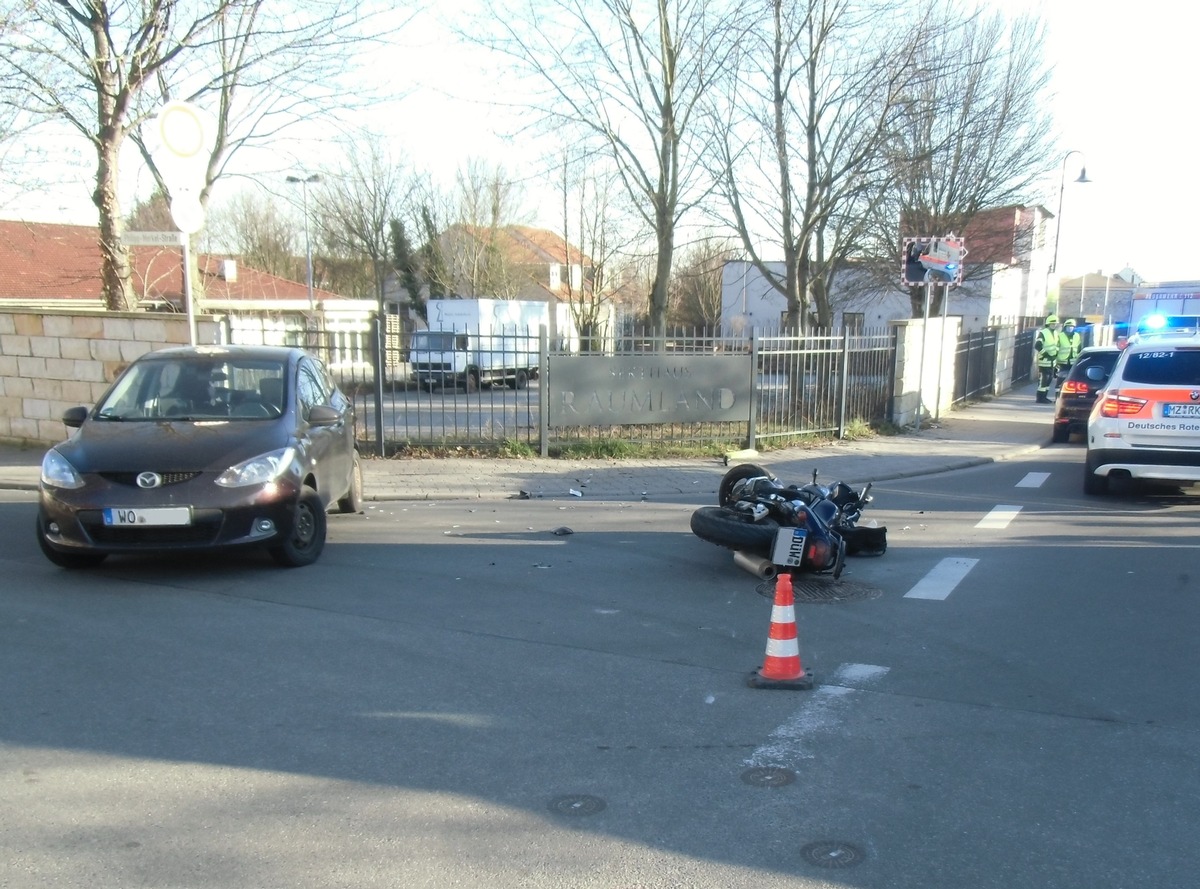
162, 515
789, 547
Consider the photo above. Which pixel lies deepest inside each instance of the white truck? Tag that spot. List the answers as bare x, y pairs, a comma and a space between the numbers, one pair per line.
1152, 304
478, 342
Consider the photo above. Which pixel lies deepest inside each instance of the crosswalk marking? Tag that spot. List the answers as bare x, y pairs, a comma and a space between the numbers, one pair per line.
941, 581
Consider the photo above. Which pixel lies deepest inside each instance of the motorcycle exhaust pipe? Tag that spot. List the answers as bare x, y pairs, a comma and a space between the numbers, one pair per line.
756, 565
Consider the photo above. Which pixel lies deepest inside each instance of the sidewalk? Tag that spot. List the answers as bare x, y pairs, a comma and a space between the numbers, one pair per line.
984, 432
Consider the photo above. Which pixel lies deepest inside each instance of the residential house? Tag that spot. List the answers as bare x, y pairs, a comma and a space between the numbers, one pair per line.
48, 265
1096, 296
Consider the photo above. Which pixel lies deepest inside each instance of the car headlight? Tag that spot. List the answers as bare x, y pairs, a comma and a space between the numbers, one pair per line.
258, 470
57, 472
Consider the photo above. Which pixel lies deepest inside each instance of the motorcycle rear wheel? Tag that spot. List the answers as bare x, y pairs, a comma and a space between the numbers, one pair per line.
734, 530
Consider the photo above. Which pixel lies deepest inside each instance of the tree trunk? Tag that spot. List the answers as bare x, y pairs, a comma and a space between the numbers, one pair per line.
662, 278
115, 273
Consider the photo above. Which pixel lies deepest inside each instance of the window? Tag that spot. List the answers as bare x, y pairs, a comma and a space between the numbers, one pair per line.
309, 390
853, 321
1166, 367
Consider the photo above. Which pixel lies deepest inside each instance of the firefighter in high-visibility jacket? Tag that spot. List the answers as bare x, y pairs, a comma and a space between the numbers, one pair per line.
1070, 344
1046, 346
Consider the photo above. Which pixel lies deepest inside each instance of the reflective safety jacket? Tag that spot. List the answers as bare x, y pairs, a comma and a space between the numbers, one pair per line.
1046, 344
1069, 347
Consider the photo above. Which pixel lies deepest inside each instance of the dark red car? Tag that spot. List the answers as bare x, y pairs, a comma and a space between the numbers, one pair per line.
197, 448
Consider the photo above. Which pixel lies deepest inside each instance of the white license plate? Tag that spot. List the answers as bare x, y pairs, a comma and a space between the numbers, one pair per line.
1181, 410
789, 547
155, 515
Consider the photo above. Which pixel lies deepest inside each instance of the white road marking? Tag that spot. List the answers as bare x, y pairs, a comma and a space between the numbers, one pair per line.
1033, 480
941, 581
858, 674
821, 711
999, 517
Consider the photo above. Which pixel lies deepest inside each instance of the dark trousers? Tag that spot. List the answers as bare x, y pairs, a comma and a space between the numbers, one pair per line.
1045, 378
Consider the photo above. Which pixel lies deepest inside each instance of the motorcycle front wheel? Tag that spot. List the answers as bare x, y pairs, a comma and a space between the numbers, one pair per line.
734, 530
735, 475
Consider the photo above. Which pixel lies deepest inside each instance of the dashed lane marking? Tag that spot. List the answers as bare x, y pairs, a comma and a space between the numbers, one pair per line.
941, 581
999, 517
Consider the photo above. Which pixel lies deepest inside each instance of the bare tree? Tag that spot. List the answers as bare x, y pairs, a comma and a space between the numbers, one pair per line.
592, 222
354, 208
975, 134
476, 246
696, 283
103, 68
628, 76
804, 130
255, 228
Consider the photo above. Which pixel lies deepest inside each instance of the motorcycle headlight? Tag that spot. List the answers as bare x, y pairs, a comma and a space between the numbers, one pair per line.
258, 470
57, 472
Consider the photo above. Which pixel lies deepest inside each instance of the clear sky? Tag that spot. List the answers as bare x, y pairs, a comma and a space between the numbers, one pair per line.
1124, 80
1125, 76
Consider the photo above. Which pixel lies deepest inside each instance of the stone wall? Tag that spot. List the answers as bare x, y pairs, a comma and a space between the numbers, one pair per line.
54, 359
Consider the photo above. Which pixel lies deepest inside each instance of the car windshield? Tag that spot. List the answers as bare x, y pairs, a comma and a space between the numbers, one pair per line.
197, 387
437, 341
1165, 367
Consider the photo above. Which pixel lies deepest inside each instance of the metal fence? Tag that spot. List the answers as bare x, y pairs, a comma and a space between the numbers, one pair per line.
974, 364
815, 383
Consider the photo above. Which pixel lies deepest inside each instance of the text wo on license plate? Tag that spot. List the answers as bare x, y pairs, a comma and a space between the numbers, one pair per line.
158, 515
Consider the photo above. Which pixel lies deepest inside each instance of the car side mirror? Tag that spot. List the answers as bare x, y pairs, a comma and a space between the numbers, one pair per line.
324, 415
74, 416
1095, 373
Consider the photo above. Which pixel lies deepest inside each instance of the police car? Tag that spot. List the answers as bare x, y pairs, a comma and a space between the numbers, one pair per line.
1146, 422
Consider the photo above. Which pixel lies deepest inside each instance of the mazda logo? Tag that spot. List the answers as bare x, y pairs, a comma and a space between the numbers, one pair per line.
149, 480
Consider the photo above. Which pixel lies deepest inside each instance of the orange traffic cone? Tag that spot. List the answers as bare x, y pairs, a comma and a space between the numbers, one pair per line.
782, 668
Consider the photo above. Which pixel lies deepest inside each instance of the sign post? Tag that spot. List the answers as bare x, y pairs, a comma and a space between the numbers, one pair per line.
925, 261
181, 141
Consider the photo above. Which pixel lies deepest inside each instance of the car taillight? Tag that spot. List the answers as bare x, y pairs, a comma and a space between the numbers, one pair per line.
1118, 405
1074, 387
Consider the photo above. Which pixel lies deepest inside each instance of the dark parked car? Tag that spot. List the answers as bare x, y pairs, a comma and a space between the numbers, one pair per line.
200, 448
1087, 376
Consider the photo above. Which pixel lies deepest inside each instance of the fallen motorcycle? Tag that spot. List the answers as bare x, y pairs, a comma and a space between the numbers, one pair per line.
771, 526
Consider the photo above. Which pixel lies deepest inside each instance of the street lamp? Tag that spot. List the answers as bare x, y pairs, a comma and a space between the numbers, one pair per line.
304, 182
1062, 182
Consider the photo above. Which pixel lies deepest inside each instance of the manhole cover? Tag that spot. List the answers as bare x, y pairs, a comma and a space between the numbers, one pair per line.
832, 854
577, 805
824, 589
768, 776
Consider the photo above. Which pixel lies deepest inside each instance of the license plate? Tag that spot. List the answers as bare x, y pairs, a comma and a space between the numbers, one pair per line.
789, 547
156, 515
1181, 410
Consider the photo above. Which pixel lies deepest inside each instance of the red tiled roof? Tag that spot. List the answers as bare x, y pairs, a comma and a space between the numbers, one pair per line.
41, 261
525, 245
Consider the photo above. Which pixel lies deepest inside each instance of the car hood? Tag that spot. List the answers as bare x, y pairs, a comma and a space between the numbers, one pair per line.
171, 446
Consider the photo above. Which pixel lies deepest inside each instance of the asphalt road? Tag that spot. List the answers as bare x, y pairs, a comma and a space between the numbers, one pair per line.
457, 695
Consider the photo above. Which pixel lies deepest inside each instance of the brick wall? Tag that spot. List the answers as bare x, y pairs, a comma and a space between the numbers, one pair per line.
51, 360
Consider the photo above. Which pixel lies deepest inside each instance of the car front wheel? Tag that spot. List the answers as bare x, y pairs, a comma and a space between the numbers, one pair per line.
307, 538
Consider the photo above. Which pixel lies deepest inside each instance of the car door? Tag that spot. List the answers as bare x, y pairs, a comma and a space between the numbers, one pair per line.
330, 458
